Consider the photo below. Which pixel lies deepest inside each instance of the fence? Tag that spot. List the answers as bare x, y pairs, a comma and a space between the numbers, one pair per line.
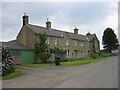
64, 56
108, 54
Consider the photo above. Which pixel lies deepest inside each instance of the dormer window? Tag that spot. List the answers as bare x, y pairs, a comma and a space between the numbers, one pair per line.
62, 35
66, 42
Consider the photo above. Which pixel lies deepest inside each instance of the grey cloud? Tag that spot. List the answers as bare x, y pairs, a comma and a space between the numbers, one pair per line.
61, 14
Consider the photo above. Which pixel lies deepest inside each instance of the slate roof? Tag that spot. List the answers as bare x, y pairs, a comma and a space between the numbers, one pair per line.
77, 36
90, 37
15, 45
57, 33
39, 29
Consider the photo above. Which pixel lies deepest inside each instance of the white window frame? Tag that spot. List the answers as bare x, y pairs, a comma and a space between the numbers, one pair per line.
66, 42
81, 43
75, 43
56, 41
47, 41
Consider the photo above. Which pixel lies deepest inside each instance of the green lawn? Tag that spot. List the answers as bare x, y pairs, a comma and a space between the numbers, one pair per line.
74, 61
33, 65
36, 65
84, 61
12, 75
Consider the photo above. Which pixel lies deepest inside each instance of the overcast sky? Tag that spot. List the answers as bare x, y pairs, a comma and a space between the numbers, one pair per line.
93, 17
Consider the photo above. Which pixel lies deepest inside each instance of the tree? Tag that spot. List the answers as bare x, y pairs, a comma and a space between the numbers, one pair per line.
41, 47
7, 60
110, 41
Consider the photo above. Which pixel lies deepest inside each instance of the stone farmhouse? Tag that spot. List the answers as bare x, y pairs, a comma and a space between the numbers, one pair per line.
72, 43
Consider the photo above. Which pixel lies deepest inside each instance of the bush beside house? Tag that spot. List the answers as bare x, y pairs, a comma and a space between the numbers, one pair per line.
40, 49
7, 66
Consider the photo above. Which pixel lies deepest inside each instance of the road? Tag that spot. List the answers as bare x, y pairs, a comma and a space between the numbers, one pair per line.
102, 74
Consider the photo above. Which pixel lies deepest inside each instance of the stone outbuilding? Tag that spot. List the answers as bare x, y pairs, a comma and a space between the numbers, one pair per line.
21, 54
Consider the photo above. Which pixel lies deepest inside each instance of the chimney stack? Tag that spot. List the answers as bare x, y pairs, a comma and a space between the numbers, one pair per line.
76, 30
25, 19
88, 33
48, 24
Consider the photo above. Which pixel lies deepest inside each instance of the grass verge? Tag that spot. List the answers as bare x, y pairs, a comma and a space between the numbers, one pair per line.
19, 67
12, 75
74, 61
36, 65
84, 61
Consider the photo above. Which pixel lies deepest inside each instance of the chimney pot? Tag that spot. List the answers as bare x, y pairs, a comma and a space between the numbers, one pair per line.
25, 19
48, 24
76, 30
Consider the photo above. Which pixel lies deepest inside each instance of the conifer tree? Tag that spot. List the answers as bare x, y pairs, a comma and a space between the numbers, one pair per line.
110, 41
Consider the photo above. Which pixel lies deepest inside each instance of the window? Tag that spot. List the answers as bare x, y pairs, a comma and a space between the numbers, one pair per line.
81, 43
75, 52
67, 42
56, 41
68, 52
47, 41
47, 50
75, 43
88, 51
81, 51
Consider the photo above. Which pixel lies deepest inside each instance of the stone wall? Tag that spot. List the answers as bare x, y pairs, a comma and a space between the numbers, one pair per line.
81, 49
16, 60
26, 37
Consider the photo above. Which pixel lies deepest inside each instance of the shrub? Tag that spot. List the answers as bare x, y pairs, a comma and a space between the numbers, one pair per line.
7, 60
44, 56
40, 49
93, 56
8, 71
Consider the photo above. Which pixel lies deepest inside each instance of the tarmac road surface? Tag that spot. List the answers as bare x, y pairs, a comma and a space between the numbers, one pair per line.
102, 74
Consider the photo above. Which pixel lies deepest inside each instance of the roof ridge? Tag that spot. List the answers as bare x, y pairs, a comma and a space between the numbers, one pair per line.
37, 26
46, 28
56, 29
56, 33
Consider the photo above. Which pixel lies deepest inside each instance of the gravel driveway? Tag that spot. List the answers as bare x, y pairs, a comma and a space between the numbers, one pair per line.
94, 75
